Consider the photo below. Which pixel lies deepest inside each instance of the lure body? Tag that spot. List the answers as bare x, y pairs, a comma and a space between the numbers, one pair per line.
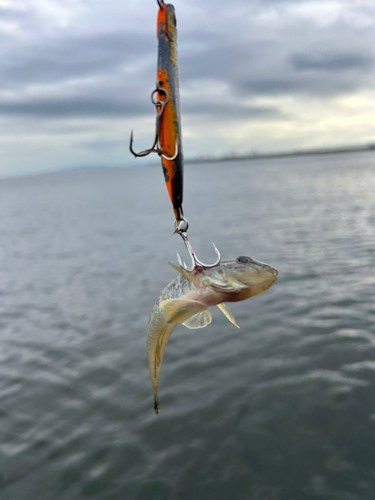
170, 139
187, 298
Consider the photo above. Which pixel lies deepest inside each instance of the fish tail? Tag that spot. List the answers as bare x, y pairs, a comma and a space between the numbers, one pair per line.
156, 400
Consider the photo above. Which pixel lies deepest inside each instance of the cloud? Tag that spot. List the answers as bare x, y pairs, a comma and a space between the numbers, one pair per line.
70, 57
222, 110
331, 62
76, 107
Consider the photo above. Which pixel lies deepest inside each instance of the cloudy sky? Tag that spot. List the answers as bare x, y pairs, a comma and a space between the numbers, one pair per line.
255, 75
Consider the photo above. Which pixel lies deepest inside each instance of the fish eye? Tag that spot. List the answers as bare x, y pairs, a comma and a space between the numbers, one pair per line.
243, 260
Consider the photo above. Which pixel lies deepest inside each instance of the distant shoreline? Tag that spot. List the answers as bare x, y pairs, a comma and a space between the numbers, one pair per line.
260, 156
307, 152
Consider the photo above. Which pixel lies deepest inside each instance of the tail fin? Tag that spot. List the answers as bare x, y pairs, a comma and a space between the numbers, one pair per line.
156, 400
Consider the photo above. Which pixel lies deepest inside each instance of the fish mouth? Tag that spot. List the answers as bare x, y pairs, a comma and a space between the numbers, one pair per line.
274, 271
266, 280
271, 276
274, 274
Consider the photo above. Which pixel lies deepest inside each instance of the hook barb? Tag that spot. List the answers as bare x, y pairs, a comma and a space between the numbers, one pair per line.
181, 262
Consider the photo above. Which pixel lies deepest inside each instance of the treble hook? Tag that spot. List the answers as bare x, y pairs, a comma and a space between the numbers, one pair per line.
158, 104
153, 149
181, 229
161, 4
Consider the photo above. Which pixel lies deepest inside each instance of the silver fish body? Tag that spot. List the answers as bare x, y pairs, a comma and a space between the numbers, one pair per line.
187, 298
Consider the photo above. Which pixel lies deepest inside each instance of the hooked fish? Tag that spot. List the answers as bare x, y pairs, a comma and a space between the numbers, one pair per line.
186, 300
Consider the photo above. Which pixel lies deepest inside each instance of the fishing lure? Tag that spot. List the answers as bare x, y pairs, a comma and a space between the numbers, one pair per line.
166, 98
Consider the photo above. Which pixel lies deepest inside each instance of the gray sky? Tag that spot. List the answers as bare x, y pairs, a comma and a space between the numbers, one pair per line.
255, 75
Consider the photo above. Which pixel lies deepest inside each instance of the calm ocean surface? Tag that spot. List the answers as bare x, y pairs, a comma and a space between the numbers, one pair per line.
282, 409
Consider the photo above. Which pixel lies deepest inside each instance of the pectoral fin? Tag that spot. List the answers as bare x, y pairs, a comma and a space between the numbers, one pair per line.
223, 284
179, 310
199, 320
227, 313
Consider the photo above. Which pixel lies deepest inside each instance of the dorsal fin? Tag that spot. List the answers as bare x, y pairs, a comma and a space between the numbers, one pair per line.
184, 273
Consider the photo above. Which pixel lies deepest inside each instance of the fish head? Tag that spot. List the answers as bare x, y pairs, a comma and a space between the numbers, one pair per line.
242, 278
255, 275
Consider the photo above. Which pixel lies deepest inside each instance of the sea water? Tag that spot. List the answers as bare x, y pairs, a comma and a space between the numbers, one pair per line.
282, 409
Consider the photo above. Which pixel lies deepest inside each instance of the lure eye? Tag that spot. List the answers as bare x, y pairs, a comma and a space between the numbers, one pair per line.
243, 260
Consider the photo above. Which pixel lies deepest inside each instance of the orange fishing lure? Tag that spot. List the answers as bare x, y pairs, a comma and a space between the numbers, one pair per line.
166, 98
